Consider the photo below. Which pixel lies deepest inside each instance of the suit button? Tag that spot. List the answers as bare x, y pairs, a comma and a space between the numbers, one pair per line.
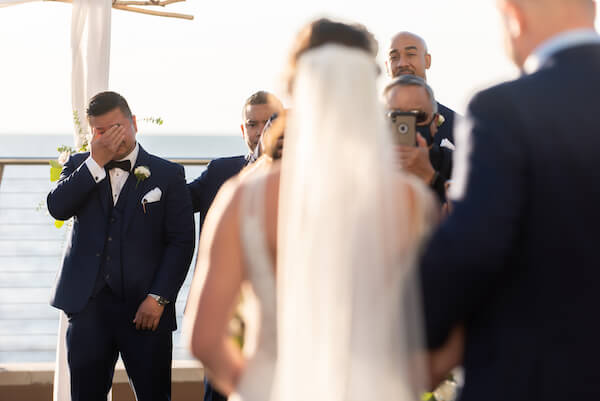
109, 239
112, 219
98, 255
107, 276
107, 258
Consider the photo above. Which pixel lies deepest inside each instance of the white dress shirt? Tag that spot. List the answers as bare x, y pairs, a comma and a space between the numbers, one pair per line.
562, 41
118, 177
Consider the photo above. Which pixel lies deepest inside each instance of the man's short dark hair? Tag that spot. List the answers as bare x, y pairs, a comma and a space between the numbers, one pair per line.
261, 97
104, 102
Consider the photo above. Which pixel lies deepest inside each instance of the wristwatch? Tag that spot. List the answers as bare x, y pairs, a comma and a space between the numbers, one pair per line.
161, 301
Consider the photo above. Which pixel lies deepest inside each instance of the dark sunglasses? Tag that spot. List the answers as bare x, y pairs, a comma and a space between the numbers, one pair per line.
421, 116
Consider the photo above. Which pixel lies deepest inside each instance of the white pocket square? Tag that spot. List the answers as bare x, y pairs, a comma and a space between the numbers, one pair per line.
152, 196
447, 144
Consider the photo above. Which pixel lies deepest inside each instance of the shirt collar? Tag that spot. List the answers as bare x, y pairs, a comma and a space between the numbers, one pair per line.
559, 42
132, 156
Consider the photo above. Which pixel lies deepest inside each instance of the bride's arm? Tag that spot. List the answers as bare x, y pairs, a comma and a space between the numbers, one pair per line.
214, 292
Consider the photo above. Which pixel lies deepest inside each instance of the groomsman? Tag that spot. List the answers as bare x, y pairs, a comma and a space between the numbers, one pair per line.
430, 162
407, 54
130, 248
257, 110
517, 263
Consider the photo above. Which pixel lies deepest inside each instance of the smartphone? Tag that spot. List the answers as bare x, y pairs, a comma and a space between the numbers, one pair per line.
404, 127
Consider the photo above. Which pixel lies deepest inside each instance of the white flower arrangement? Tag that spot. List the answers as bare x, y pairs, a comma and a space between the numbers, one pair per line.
64, 156
141, 173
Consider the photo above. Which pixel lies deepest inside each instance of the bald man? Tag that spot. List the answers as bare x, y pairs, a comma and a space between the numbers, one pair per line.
517, 262
408, 54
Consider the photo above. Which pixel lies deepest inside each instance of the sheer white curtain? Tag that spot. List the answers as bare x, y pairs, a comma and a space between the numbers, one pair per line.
90, 45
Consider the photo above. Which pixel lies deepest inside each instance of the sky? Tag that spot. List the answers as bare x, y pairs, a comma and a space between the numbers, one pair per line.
195, 75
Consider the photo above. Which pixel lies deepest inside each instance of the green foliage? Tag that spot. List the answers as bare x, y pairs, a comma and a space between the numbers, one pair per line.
58, 223
55, 170
157, 120
428, 397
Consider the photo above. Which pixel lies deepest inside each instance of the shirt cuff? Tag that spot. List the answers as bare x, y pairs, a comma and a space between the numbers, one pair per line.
97, 172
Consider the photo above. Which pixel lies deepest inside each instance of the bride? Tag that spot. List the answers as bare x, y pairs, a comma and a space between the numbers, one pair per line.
327, 240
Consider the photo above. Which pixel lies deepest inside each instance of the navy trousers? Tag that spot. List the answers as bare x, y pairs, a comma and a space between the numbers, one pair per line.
96, 336
211, 394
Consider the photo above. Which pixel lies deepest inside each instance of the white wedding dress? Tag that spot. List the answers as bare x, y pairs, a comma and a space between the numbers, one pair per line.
343, 322
260, 340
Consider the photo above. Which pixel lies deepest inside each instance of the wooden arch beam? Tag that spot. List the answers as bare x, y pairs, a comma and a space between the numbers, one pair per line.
134, 6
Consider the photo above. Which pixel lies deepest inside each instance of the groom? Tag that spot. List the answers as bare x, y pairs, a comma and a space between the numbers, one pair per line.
128, 254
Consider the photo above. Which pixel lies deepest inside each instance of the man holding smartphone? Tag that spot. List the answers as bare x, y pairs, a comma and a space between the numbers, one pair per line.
431, 162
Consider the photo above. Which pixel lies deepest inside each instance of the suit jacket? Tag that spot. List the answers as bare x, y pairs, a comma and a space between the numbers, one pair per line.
441, 157
157, 245
204, 188
517, 261
446, 130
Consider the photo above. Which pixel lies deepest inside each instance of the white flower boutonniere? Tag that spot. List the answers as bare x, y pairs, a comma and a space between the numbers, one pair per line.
440, 120
141, 173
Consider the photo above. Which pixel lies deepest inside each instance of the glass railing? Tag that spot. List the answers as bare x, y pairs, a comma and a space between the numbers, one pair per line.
31, 248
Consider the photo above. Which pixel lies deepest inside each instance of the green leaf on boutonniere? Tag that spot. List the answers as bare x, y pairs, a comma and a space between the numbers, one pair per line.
427, 397
58, 223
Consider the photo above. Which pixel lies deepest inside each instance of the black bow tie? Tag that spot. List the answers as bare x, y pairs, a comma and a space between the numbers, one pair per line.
124, 165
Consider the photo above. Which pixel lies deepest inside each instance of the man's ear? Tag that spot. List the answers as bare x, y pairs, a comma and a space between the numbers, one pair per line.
514, 17
243, 130
134, 123
427, 61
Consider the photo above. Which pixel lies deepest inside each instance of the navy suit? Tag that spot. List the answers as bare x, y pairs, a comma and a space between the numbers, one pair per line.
116, 256
441, 157
204, 188
517, 261
446, 130
203, 191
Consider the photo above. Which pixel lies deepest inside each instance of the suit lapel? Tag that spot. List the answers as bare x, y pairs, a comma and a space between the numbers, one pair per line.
135, 192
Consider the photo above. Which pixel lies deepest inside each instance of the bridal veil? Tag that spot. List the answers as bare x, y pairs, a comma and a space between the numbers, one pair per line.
349, 323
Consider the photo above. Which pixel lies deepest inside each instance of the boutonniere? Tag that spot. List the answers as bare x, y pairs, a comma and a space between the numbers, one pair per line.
141, 173
440, 120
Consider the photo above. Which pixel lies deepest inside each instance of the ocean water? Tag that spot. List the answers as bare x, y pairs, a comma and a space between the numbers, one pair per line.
31, 247
179, 146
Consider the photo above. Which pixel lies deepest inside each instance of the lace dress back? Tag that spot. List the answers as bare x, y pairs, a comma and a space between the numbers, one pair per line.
260, 341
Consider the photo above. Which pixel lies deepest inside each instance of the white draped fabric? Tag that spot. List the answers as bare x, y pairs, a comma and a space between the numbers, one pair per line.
90, 45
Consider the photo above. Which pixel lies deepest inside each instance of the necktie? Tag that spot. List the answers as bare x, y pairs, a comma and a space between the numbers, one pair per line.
124, 165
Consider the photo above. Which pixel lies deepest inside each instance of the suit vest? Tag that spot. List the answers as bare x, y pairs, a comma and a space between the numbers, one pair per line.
111, 269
